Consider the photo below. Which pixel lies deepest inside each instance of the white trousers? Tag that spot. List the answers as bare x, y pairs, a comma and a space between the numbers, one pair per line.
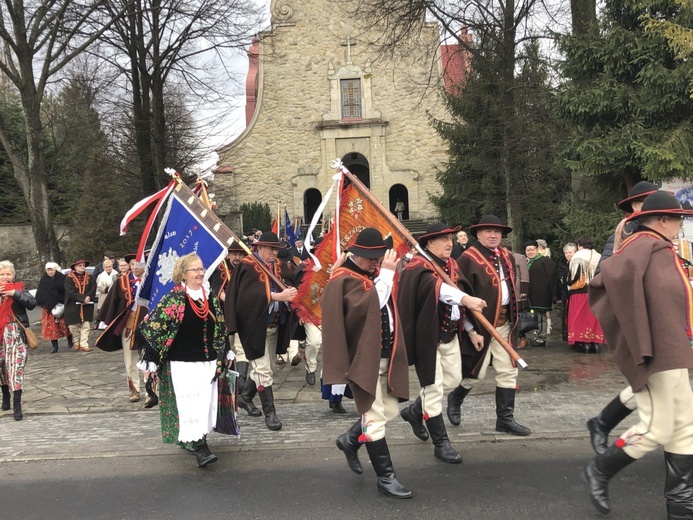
448, 377
665, 409
80, 334
313, 344
506, 373
131, 358
262, 369
384, 408
627, 398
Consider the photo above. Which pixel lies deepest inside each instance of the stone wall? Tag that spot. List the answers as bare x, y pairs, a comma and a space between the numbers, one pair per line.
296, 130
17, 245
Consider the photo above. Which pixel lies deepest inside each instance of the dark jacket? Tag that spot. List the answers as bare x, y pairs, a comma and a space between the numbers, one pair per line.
23, 301
75, 313
542, 278
51, 290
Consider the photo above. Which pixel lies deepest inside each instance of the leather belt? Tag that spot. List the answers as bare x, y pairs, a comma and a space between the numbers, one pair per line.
446, 336
274, 321
503, 316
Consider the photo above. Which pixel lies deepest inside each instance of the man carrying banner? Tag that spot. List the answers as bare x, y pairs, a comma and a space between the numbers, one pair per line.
424, 299
366, 351
490, 271
123, 314
258, 311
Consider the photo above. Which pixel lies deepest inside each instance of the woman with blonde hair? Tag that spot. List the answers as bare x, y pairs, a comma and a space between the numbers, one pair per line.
104, 282
185, 344
14, 302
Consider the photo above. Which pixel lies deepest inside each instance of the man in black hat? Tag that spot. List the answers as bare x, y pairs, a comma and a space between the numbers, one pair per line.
257, 310
365, 350
643, 300
80, 291
623, 404
424, 299
490, 271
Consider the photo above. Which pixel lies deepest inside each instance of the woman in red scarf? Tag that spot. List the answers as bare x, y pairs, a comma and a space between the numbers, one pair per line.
14, 302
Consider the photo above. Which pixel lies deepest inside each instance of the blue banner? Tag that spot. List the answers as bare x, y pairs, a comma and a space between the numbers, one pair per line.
181, 232
289, 234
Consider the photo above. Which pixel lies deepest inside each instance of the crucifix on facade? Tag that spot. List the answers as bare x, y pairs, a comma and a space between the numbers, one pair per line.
348, 44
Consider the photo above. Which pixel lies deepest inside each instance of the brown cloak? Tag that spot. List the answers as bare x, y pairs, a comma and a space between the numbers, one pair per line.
246, 306
484, 282
351, 328
114, 311
75, 313
643, 301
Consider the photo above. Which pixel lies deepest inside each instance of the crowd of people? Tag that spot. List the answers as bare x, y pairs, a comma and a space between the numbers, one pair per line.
451, 311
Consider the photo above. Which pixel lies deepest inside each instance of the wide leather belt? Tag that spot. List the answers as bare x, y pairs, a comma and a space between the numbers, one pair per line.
449, 335
503, 316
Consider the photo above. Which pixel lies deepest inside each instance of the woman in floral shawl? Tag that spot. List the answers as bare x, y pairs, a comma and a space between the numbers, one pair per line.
185, 335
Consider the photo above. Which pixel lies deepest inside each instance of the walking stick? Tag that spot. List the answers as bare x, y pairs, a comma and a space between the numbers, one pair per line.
404, 232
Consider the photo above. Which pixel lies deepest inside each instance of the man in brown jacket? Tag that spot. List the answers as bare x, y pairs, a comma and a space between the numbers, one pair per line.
365, 350
644, 300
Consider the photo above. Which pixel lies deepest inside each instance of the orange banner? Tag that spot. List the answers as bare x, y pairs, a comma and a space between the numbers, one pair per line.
356, 213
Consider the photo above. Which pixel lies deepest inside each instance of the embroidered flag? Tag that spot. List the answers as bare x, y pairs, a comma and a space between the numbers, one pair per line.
181, 231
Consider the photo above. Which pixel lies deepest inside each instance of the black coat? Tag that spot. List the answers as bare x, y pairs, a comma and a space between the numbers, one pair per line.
23, 301
51, 290
542, 277
74, 312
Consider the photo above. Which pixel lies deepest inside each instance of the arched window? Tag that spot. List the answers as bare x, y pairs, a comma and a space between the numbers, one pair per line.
357, 164
311, 202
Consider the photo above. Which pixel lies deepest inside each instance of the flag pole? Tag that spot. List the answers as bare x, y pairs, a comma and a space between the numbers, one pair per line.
399, 227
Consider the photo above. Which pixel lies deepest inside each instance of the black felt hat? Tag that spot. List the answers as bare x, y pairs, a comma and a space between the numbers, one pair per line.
661, 204
79, 261
436, 230
637, 193
236, 247
490, 221
285, 253
370, 244
129, 257
271, 240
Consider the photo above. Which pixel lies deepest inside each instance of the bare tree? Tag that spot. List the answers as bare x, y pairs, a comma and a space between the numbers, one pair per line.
40, 38
181, 40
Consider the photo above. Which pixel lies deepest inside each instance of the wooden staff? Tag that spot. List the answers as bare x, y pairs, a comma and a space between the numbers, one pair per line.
407, 236
217, 227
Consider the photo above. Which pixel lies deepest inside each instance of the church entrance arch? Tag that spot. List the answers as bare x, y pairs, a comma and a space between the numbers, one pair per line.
399, 192
311, 202
357, 164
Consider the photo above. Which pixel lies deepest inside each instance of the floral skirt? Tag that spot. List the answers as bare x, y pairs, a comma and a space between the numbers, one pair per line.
51, 329
13, 354
582, 323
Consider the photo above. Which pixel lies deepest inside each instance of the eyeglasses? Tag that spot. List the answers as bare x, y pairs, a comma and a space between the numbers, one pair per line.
197, 269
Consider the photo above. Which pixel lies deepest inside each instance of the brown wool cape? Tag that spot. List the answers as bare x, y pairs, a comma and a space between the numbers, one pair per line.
246, 307
484, 283
351, 330
75, 313
643, 301
115, 312
417, 302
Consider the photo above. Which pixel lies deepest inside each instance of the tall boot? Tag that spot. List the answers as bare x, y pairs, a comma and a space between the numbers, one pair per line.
267, 400
54, 343
349, 443
442, 447
5, 397
601, 425
18, 416
245, 398
600, 470
505, 410
678, 489
413, 414
455, 400
382, 464
70, 341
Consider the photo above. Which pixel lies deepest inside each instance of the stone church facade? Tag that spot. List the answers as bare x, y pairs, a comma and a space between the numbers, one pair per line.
316, 91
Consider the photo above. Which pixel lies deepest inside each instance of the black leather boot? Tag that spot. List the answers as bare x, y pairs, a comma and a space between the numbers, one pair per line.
69, 341
349, 443
442, 447
54, 343
18, 416
413, 414
505, 409
678, 489
245, 398
601, 425
204, 455
5, 397
267, 400
600, 470
382, 464
336, 404
455, 400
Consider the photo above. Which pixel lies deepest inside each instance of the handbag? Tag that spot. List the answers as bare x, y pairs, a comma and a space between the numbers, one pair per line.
227, 408
528, 319
58, 310
31, 339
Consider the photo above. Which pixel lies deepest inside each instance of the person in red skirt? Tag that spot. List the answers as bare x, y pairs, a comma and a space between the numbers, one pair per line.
584, 331
51, 293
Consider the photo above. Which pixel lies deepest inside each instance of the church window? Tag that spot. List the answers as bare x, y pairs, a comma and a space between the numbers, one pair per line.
351, 98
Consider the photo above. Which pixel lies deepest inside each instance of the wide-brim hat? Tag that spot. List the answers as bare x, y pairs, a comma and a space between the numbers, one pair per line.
661, 204
637, 193
285, 254
490, 221
236, 247
436, 230
270, 239
129, 257
370, 244
80, 261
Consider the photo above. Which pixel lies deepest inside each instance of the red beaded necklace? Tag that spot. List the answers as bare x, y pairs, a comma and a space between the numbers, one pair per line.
200, 310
